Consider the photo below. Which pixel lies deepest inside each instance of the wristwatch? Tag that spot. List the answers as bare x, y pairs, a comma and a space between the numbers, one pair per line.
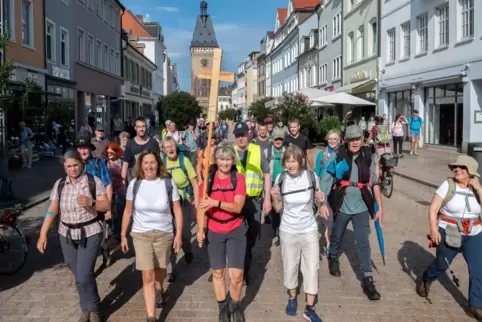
93, 202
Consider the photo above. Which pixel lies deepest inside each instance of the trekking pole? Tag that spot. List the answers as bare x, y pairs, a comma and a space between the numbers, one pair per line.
449, 271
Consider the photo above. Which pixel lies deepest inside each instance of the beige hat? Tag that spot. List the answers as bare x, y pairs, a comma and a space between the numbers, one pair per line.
466, 161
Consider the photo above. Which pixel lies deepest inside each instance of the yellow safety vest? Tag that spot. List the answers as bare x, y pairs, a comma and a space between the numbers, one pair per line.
253, 173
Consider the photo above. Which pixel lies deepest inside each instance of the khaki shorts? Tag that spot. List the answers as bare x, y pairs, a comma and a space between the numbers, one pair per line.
153, 249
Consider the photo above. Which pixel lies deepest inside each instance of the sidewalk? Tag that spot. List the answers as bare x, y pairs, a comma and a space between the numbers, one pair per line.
34, 185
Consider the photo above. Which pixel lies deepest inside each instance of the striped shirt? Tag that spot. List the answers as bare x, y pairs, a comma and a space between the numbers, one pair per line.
71, 212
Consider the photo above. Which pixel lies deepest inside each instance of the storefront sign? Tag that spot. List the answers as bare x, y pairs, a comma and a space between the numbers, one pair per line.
359, 76
60, 72
135, 89
477, 117
146, 93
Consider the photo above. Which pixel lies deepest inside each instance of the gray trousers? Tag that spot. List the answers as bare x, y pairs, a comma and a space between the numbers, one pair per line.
188, 213
252, 213
361, 227
81, 262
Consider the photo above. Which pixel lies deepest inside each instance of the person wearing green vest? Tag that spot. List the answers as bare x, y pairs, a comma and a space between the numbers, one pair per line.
254, 166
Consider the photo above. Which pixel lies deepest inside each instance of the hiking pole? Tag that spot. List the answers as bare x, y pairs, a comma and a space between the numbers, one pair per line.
449, 271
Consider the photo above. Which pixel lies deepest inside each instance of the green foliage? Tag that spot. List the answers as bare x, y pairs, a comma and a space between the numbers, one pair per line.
297, 106
179, 107
258, 109
327, 124
228, 114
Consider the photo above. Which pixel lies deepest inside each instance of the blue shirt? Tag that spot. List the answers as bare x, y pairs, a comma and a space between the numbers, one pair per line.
24, 135
319, 170
189, 138
415, 124
100, 170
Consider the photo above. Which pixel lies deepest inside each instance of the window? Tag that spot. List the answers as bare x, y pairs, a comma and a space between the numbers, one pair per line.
112, 62
105, 10
323, 32
360, 43
64, 47
374, 38
111, 16
467, 13
443, 25
98, 8
323, 70
351, 4
422, 34
336, 68
90, 5
10, 18
90, 50
312, 40
391, 45
99, 54
337, 25
117, 20
405, 29
106, 58
349, 47
117, 64
50, 44
27, 23
80, 45
82, 2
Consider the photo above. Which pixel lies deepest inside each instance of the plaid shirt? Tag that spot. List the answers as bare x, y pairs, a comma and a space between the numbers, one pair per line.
99, 170
71, 212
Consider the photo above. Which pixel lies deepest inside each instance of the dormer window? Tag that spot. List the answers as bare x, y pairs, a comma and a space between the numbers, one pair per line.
302, 45
312, 40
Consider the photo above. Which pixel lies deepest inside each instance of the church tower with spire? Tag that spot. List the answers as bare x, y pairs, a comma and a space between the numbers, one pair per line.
202, 45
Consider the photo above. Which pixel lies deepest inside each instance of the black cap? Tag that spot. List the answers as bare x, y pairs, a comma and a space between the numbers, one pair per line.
86, 141
415, 111
192, 123
241, 128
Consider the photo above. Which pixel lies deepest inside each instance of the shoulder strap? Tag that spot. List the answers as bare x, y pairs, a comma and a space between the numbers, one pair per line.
281, 180
325, 151
60, 187
182, 165
169, 189
135, 190
450, 193
92, 186
270, 153
164, 159
97, 168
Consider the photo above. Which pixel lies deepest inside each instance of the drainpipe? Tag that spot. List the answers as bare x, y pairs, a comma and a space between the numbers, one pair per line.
122, 49
377, 89
342, 42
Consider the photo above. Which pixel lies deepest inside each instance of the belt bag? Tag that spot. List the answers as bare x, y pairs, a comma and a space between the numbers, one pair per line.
453, 236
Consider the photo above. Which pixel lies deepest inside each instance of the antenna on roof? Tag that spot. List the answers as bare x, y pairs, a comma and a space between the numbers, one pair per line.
147, 18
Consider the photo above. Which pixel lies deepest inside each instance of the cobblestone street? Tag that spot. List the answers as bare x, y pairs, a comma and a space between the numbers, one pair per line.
44, 290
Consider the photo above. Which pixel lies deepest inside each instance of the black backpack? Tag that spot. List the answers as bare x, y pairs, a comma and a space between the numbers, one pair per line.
169, 189
92, 189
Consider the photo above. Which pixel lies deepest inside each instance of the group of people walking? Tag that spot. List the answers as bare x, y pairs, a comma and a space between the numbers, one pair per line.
153, 191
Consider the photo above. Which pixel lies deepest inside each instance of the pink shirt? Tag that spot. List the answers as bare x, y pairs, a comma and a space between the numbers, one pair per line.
397, 129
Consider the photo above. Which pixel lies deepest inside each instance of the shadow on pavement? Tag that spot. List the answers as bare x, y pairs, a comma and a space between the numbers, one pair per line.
349, 249
414, 259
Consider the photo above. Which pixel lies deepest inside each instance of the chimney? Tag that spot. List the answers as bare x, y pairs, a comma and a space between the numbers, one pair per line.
140, 18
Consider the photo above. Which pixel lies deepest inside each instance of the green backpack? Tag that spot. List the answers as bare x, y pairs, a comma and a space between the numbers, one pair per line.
452, 191
383, 136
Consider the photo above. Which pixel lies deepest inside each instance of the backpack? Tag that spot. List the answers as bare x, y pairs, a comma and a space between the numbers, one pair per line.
312, 187
452, 191
383, 135
169, 189
270, 156
412, 120
92, 188
187, 189
322, 165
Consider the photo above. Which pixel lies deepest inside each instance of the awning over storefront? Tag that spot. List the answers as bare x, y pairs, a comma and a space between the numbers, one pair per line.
358, 87
343, 98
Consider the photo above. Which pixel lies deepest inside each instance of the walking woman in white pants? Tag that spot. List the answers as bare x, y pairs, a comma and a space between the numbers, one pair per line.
294, 197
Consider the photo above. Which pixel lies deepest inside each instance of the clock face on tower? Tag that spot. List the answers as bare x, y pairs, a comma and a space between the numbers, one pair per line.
204, 62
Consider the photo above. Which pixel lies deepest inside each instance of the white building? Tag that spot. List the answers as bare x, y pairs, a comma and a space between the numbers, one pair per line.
171, 83
241, 84
234, 96
431, 61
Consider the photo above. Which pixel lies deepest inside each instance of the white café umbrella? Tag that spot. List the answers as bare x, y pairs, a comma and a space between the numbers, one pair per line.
342, 98
312, 93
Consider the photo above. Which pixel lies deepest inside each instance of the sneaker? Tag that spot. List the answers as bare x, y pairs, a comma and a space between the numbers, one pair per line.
292, 306
235, 312
310, 315
94, 317
476, 313
369, 289
416, 153
84, 317
422, 287
224, 315
334, 266
411, 152
188, 257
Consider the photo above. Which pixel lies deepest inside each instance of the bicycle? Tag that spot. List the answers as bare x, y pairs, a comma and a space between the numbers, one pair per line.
388, 161
13, 253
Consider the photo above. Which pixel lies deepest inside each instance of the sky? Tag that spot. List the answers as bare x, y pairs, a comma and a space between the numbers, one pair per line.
239, 27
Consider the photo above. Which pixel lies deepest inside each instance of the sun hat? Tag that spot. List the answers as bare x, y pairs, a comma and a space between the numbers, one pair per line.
470, 163
353, 132
278, 134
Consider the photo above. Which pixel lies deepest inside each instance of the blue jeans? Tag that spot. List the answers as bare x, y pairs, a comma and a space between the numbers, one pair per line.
470, 248
119, 203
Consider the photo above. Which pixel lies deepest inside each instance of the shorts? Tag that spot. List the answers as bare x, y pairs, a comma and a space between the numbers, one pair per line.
231, 245
415, 137
153, 249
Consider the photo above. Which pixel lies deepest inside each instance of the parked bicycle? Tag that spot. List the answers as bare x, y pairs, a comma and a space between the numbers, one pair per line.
388, 161
13, 243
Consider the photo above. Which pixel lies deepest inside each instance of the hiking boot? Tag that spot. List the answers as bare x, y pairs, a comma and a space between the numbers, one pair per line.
292, 306
171, 277
477, 313
106, 258
334, 266
310, 315
84, 317
235, 311
422, 287
188, 257
151, 319
94, 317
369, 289
224, 315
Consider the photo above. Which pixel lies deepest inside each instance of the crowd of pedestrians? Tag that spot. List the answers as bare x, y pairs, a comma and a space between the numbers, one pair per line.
154, 190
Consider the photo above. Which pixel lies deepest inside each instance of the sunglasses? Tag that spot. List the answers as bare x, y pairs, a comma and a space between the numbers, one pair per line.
461, 167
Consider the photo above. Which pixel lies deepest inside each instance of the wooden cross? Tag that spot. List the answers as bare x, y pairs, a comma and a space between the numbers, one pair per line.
215, 75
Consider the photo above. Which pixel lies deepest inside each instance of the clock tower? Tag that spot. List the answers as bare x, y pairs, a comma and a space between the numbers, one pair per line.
202, 45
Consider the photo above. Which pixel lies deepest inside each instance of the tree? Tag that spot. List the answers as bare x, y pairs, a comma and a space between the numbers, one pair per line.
259, 110
297, 106
228, 114
179, 107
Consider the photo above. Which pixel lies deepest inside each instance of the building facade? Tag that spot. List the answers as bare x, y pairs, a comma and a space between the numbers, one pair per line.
430, 61
98, 40
224, 98
330, 44
137, 96
360, 50
262, 65
234, 95
241, 85
202, 45
252, 78
25, 23
308, 53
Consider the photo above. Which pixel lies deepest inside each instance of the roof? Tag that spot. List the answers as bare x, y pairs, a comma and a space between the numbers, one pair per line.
204, 35
152, 28
301, 4
137, 28
282, 12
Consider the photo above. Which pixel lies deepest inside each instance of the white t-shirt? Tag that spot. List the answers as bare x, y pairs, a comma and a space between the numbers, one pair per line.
151, 209
397, 129
298, 216
176, 136
457, 206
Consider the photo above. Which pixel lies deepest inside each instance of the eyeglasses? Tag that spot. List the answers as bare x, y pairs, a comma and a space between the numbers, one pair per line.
461, 167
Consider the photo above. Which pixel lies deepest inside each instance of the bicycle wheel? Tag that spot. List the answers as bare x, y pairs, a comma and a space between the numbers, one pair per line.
387, 184
13, 249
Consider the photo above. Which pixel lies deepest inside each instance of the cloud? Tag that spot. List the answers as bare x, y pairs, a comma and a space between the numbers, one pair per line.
168, 9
